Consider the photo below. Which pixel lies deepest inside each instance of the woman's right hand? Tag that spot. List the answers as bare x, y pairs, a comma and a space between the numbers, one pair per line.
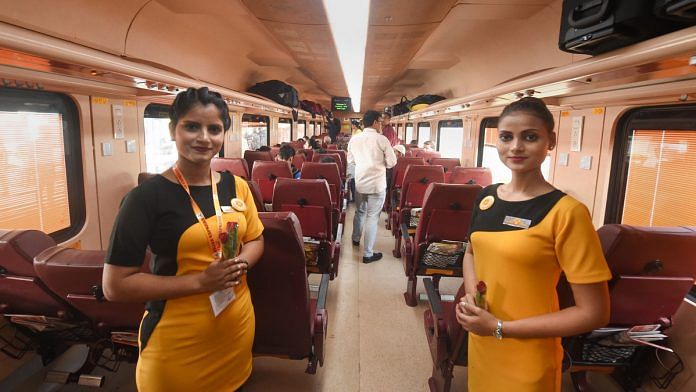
220, 275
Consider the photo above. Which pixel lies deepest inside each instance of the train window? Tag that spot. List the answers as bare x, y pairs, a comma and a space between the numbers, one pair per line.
409, 133
41, 183
255, 131
423, 132
160, 149
284, 130
488, 153
450, 138
654, 158
301, 128
312, 127
317, 129
399, 132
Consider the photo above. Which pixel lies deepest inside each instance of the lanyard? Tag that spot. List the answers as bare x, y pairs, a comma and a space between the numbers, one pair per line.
215, 246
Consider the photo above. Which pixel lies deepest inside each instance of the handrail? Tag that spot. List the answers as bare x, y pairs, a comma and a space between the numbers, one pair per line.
671, 44
27, 41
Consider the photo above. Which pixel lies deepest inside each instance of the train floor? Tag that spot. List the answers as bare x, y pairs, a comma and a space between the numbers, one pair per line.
374, 343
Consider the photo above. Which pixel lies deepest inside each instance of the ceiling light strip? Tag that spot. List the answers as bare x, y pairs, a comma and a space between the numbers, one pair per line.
349, 21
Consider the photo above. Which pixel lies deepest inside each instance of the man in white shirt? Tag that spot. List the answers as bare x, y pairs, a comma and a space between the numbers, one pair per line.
372, 154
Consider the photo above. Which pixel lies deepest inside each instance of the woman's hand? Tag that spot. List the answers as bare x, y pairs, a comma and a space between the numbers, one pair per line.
474, 319
222, 274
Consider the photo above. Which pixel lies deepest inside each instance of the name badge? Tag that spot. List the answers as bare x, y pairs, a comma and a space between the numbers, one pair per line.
221, 299
517, 222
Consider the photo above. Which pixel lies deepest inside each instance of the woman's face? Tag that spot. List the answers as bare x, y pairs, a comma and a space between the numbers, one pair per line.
523, 142
199, 134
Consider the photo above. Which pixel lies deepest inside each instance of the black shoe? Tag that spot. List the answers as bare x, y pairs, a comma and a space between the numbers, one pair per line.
356, 243
375, 256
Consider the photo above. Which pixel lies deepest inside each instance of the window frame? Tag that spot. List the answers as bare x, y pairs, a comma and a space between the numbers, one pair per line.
258, 116
418, 127
285, 120
449, 124
486, 122
12, 99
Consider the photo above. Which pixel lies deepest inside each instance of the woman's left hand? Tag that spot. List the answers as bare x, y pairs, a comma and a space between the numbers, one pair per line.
474, 319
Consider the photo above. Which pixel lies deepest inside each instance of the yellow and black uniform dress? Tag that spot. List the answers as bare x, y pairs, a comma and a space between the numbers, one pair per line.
520, 249
183, 346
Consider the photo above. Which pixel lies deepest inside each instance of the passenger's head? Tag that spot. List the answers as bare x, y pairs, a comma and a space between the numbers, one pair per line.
264, 148
413, 142
327, 140
327, 160
314, 144
198, 121
306, 138
354, 125
399, 151
370, 118
428, 145
525, 134
286, 153
386, 117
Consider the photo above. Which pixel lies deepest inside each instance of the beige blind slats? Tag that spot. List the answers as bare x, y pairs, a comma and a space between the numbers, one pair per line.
660, 184
33, 180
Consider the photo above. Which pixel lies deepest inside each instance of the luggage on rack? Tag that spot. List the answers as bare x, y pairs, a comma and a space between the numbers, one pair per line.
277, 91
423, 101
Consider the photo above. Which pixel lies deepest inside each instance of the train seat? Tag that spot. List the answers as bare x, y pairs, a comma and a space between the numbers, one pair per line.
298, 161
236, 166
21, 289
416, 181
330, 173
265, 174
446, 214
471, 175
343, 154
653, 270
309, 154
447, 163
397, 179
256, 194
428, 156
274, 152
310, 200
289, 323
76, 276
250, 156
337, 157
447, 340
413, 152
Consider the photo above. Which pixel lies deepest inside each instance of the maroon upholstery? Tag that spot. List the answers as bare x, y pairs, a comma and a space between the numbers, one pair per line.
328, 172
337, 157
446, 338
413, 152
21, 290
309, 154
471, 175
144, 176
344, 157
653, 270
251, 156
416, 181
400, 169
310, 200
265, 173
76, 276
447, 163
236, 166
256, 194
275, 151
428, 156
446, 214
298, 161
288, 322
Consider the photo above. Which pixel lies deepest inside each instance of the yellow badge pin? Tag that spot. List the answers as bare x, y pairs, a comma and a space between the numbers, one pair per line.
487, 202
238, 204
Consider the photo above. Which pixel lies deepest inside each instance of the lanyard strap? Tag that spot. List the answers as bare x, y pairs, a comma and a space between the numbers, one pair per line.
215, 246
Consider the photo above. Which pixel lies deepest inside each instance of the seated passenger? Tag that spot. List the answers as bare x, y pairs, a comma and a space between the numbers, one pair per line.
428, 146
264, 148
285, 154
413, 143
327, 160
399, 151
303, 141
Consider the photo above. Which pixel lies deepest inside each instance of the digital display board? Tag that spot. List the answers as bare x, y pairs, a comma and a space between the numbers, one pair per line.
341, 104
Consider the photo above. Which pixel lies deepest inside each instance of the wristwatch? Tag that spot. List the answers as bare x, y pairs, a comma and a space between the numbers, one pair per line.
498, 332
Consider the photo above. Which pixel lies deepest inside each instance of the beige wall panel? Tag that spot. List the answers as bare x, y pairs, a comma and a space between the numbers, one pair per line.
577, 182
117, 173
101, 25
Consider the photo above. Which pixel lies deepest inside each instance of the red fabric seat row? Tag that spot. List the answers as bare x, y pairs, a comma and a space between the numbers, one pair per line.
265, 174
236, 166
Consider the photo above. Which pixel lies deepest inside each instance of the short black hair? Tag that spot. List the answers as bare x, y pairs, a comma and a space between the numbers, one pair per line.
264, 148
532, 106
286, 152
327, 160
370, 117
186, 100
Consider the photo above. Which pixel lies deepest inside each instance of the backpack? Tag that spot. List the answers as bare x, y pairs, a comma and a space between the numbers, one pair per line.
425, 99
312, 107
401, 107
278, 92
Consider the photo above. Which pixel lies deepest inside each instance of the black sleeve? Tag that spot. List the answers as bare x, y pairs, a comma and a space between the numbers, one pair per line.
132, 230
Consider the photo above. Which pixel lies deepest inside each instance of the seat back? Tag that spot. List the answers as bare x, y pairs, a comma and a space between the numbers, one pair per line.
298, 161
310, 200
250, 156
446, 214
416, 180
279, 287
265, 173
400, 169
328, 172
337, 157
275, 151
76, 276
457, 335
21, 290
471, 175
447, 163
414, 152
653, 269
236, 166
428, 156
256, 194
144, 176
343, 154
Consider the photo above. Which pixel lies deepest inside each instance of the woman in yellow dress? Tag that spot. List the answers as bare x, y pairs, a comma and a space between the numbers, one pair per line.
523, 235
198, 327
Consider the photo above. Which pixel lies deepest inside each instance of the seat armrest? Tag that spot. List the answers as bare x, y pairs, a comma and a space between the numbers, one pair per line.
323, 291
339, 234
434, 300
